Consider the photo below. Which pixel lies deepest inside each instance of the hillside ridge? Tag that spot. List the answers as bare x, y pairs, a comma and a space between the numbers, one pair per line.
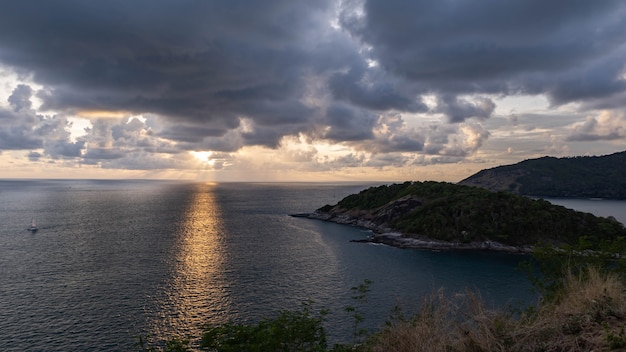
572, 177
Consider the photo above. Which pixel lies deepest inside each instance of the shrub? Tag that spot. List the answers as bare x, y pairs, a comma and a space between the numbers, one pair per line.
289, 331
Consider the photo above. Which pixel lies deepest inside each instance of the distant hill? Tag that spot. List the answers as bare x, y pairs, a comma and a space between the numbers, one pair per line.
464, 217
576, 177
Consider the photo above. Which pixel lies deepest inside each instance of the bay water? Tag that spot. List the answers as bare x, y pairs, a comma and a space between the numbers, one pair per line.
115, 260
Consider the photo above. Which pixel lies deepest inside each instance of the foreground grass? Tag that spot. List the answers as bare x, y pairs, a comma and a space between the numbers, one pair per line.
587, 314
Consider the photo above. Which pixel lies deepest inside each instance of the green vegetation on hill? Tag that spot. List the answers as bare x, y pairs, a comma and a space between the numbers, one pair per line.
577, 177
457, 213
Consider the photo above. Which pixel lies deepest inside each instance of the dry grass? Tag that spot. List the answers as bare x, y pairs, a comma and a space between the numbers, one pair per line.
590, 315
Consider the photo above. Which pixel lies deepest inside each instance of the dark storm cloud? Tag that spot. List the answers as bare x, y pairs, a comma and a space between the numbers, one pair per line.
277, 113
190, 133
61, 148
458, 110
97, 153
222, 75
263, 136
593, 82
373, 92
492, 46
202, 62
348, 123
18, 137
405, 143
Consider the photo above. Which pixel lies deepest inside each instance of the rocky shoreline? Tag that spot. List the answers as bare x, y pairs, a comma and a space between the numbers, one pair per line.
387, 236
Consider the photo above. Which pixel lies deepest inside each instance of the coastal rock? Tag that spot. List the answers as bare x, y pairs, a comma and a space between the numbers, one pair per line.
383, 235
401, 241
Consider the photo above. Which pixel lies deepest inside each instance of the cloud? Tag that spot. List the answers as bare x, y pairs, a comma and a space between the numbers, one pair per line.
393, 135
20, 99
490, 46
349, 160
22, 128
99, 153
18, 137
346, 123
190, 133
159, 79
197, 63
387, 160
372, 89
34, 156
63, 148
458, 110
607, 126
458, 140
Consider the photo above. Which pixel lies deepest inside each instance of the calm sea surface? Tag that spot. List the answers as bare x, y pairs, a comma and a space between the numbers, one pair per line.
114, 260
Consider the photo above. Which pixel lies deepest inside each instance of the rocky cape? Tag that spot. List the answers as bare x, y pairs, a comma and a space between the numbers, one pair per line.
446, 216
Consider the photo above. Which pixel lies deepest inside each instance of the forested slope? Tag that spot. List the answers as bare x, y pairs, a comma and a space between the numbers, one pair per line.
577, 177
457, 213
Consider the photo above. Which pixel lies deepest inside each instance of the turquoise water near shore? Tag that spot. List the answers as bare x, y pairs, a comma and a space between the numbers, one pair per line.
113, 260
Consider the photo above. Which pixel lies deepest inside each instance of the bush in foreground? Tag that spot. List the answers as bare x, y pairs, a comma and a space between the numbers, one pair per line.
589, 315
289, 331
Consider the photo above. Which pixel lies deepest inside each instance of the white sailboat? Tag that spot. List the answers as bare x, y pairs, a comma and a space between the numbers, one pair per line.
33, 227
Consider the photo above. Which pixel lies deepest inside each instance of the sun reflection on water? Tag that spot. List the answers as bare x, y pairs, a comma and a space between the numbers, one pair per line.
197, 293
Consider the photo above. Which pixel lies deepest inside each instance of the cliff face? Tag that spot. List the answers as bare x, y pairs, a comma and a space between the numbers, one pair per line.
579, 177
445, 215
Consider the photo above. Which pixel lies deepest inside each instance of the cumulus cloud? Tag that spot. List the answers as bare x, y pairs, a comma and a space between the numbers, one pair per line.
224, 76
20, 99
392, 134
23, 128
458, 140
608, 126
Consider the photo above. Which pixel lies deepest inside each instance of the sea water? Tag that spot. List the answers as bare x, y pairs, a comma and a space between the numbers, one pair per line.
115, 260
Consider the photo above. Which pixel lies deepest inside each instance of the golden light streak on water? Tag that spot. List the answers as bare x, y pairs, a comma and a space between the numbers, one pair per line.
197, 293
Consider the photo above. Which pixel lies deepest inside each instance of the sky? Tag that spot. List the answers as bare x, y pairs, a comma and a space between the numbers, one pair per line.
288, 90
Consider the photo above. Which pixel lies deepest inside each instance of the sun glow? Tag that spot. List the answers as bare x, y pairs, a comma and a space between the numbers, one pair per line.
101, 114
203, 156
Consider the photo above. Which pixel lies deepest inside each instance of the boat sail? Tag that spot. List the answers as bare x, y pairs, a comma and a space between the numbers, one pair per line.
33, 227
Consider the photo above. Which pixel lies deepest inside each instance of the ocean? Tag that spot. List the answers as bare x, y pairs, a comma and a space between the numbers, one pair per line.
115, 260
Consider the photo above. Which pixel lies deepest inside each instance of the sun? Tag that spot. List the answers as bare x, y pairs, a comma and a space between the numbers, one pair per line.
203, 156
